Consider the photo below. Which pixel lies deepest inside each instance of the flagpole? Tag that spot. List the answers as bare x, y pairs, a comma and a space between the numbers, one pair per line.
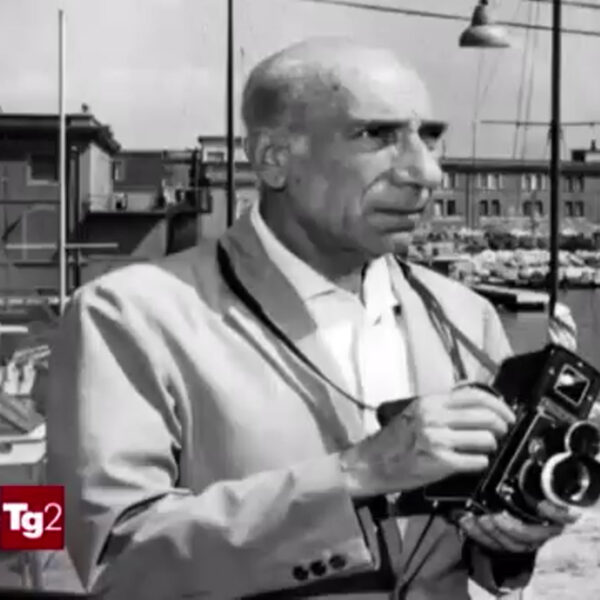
230, 122
62, 171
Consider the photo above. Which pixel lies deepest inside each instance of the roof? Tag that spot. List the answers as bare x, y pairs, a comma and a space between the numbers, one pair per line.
515, 165
79, 125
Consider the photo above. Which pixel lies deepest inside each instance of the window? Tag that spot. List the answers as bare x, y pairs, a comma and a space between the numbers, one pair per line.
568, 208
527, 208
495, 208
540, 181
539, 208
574, 183
530, 182
215, 156
448, 181
489, 181
483, 208
579, 208
43, 168
438, 208
118, 170
451, 208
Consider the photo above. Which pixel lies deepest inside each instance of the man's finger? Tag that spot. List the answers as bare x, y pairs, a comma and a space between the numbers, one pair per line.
504, 537
471, 397
463, 463
557, 514
521, 533
472, 528
478, 442
477, 418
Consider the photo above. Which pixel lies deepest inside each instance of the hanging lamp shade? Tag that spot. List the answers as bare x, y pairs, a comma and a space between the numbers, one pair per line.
483, 32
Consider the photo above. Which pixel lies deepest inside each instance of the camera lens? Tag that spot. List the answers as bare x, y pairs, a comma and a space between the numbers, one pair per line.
583, 439
571, 480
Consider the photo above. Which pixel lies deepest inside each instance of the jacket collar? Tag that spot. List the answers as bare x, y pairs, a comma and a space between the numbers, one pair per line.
282, 304
430, 366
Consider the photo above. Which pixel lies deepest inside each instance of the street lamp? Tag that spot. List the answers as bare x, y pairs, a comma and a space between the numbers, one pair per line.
483, 32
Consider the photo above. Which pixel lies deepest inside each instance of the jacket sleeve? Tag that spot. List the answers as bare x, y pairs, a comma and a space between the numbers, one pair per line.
497, 573
132, 532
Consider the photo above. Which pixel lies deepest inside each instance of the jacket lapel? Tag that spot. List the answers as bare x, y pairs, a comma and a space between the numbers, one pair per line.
285, 308
432, 371
431, 367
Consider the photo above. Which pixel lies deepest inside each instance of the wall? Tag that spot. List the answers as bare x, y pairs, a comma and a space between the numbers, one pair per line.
95, 178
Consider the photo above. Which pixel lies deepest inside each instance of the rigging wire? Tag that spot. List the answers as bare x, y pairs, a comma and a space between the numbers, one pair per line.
530, 83
447, 16
520, 95
499, 56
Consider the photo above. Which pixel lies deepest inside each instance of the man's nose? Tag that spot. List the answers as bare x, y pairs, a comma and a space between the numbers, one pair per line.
415, 163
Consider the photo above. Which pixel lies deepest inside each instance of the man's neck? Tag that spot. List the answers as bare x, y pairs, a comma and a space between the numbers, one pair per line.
342, 268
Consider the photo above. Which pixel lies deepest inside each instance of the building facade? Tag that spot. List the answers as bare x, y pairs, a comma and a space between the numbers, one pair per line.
477, 194
29, 192
121, 206
131, 205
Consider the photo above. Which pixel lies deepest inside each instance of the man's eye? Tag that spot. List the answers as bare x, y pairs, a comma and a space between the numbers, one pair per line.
380, 133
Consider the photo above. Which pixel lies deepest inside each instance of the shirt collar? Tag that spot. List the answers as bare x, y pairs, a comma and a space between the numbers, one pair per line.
377, 292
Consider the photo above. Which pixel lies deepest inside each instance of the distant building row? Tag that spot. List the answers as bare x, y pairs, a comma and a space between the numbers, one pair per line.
127, 205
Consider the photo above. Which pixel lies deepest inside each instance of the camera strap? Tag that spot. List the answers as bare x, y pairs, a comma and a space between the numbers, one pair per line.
449, 333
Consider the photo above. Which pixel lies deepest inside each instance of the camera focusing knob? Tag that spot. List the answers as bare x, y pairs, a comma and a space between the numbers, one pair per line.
537, 449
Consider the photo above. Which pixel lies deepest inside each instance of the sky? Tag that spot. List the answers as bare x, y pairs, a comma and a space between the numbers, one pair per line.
154, 70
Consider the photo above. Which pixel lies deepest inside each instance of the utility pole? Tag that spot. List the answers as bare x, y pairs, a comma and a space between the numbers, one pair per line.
62, 169
555, 154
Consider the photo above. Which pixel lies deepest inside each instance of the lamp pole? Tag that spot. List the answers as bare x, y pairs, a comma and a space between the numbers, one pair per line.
555, 169
230, 128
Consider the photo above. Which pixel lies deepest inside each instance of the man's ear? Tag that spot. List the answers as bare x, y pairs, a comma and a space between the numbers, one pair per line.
271, 161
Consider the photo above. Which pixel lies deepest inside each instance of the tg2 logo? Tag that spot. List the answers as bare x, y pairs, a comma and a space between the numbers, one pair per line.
32, 517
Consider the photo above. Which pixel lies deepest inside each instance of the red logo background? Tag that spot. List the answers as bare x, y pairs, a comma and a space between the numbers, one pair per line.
42, 526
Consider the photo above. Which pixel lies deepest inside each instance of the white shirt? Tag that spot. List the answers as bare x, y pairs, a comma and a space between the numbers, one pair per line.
366, 338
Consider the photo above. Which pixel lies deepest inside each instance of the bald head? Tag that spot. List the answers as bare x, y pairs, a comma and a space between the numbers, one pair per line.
322, 81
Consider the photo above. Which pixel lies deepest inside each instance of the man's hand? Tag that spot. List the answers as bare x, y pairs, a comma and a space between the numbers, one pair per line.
434, 437
504, 533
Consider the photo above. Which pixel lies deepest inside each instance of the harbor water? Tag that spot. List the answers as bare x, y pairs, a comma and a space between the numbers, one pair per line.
528, 330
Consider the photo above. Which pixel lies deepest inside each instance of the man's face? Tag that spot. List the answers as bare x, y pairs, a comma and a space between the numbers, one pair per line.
361, 181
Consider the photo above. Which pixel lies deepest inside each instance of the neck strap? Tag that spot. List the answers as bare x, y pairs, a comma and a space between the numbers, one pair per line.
450, 334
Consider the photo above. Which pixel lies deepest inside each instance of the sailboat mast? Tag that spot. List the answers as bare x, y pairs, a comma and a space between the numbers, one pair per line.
555, 169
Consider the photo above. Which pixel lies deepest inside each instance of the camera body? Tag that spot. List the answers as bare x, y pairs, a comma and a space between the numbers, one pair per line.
549, 453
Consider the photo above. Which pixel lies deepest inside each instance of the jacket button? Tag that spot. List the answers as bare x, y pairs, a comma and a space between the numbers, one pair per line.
337, 561
300, 573
318, 568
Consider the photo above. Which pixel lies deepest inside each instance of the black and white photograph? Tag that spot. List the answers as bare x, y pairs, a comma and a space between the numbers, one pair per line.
300, 299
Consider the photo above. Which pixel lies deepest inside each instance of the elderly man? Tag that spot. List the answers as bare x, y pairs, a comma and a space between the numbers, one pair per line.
213, 415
